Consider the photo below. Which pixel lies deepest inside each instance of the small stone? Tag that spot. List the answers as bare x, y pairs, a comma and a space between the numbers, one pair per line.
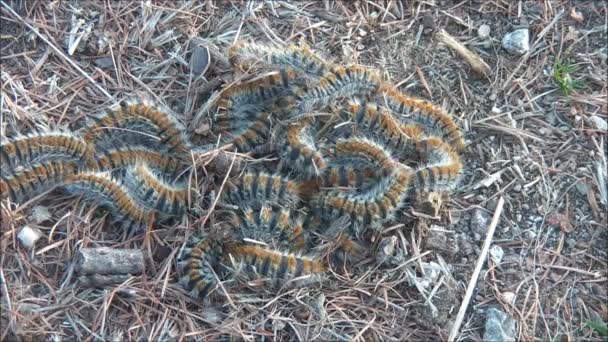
499, 326
496, 253
576, 15
517, 187
493, 97
104, 62
518, 217
466, 247
517, 42
495, 110
479, 221
509, 297
570, 242
40, 214
598, 123
483, 32
28, 236
302, 313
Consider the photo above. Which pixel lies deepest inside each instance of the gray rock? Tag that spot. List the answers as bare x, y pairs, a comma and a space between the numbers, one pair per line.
517, 42
499, 326
483, 31
479, 221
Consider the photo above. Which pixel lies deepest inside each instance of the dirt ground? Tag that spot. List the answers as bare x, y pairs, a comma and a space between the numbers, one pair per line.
536, 134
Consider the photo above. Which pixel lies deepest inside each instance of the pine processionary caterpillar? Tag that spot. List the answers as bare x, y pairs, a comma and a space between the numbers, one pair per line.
170, 130
196, 263
300, 152
29, 148
99, 187
442, 167
415, 111
123, 157
376, 154
154, 192
245, 55
373, 206
262, 186
271, 222
253, 135
340, 82
277, 265
36, 178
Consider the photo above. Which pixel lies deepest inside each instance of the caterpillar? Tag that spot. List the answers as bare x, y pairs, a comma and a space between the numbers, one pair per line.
196, 263
373, 206
262, 186
170, 130
36, 178
340, 82
415, 111
122, 157
373, 152
302, 59
155, 193
442, 167
273, 263
110, 193
300, 152
270, 222
347, 175
34, 146
253, 135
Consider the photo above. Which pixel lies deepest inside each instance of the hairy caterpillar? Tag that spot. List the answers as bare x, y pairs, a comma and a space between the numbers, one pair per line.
110, 193
155, 193
415, 111
245, 55
118, 158
36, 178
262, 186
170, 130
34, 146
196, 263
300, 152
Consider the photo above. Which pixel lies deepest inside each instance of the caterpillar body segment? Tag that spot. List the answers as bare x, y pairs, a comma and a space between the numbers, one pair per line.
247, 55
441, 166
254, 135
40, 146
262, 186
370, 207
156, 193
111, 194
301, 152
36, 179
197, 262
171, 132
277, 265
123, 157
340, 82
348, 174
373, 152
279, 226
434, 121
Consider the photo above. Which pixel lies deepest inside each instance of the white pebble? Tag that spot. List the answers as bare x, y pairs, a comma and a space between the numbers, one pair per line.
28, 236
483, 31
598, 122
517, 42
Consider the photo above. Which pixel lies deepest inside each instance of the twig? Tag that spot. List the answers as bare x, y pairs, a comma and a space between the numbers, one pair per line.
475, 276
58, 52
469, 56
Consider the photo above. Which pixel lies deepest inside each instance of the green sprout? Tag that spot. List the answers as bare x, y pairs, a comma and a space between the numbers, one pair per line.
562, 73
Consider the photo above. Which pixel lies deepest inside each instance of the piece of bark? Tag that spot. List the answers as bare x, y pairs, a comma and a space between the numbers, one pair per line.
105, 260
101, 280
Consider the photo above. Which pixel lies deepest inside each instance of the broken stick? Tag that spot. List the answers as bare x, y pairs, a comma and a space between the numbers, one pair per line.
469, 56
105, 260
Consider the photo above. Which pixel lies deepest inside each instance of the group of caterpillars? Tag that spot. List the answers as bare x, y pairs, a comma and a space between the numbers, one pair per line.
353, 151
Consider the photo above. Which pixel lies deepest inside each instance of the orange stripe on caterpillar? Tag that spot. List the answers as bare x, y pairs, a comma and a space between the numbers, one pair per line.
154, 192
370, 150
170, 130
27, 148
253, 186
254, 135
375, 205
245, 55
36, 179
434, 121
442, 168
340, 82
110, 193
196, 263
301, 152
271, 223
125, 156
273, 263
347, 175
